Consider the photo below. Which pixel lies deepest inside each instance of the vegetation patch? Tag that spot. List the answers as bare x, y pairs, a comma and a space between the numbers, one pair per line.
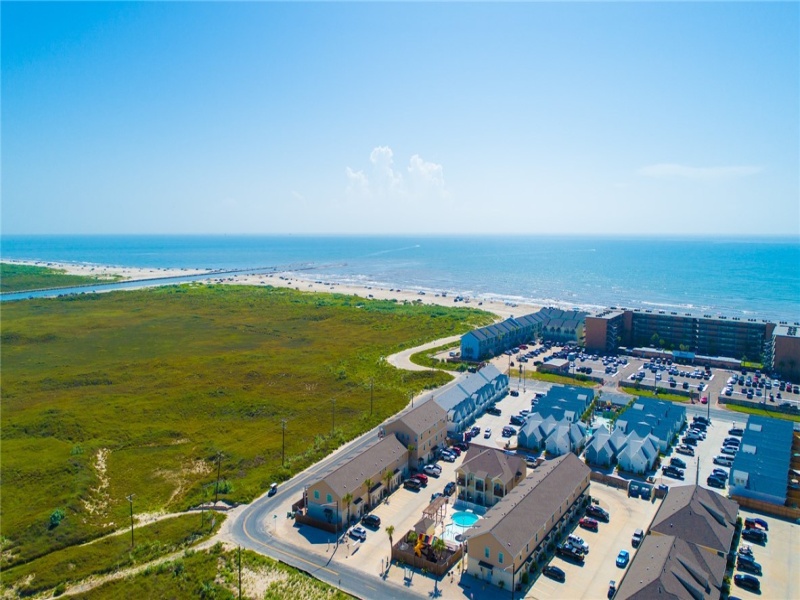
764, 413
21, 278
108, 554
426, 358
553, 378
214, 573
645, 393
151, 392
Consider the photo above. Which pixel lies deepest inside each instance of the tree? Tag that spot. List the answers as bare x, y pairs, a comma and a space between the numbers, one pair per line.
368, 484
387, 479
390, 533
438, 548
347, 499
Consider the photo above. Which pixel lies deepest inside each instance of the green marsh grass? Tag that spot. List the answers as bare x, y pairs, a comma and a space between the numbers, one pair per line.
159, 381
21, 278
110, 553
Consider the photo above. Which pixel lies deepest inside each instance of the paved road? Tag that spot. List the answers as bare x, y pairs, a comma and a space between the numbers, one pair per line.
251, 528
402, 360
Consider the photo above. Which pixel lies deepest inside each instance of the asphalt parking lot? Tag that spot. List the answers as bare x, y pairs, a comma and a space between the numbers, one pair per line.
591, 579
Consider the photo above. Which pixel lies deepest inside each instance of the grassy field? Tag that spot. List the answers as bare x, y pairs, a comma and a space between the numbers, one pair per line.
110, 553
764, 413
105, 395
551, 377
667, 397
20, 278
214, 573
426, 358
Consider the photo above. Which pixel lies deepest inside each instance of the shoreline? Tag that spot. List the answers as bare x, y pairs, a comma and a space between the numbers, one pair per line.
290, 279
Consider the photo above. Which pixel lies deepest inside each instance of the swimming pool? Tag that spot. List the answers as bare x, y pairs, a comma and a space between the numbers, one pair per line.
465, 519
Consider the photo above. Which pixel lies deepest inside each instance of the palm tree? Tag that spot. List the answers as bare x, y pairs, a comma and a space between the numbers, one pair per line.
387, 478
390, 533
411, 448
438, 547
347, 499
368, 485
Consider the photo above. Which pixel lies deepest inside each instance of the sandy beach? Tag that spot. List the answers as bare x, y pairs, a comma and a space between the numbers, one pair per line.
305, 284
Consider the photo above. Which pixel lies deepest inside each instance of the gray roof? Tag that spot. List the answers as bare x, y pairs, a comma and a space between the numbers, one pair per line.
698, 516
765, 455
529, 506
671, 568
468, 386
491, 463
423, 417
352, 473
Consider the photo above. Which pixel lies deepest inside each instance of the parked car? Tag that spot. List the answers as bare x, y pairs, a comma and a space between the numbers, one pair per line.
755, 535
737, 431
554, 572
588, 523
677, 462
715, 482
579, 542
412, 484
494, 411
514, 393
755, 523
746, 550
745, 563
598, 513
448, 457
671, 471
372, 521
728, 450
637, 538
684, 449
432, 471
487, 433
422, 478
569, 551
748, 582
358, 533
724, 461
622, 558
449, 488
455, 450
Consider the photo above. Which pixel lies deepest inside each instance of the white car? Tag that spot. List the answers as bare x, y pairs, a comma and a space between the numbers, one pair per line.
432, 471
578, 541
487, 433
358, 533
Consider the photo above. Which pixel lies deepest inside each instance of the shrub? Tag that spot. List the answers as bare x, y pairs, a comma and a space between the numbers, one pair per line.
56, 517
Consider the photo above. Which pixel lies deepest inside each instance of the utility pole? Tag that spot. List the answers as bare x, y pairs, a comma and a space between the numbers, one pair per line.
333, 415
130, 499
371, 386
283, 443
219, 465
240, 573
411, 394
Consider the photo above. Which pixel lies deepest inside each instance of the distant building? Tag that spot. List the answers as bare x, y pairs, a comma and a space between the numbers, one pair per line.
424, 428
556, 436
647, 416
560, 366
487, 475
517, 529
325, 499
784, 352
711, 336
763, 469
548, 323
684, 554
464, 402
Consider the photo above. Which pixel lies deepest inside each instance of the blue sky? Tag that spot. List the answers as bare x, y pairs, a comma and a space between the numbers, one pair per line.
632, 118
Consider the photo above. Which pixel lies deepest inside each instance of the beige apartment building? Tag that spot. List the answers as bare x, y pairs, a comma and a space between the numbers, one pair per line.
423, 428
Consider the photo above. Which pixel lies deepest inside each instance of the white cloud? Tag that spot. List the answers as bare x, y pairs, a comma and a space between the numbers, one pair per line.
425, 180
669, 170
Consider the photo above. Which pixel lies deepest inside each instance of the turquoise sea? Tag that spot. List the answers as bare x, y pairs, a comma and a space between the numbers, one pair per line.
754, 278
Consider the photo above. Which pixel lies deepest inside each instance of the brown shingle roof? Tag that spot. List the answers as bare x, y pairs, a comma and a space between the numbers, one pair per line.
529, 506
352, 473
492, 463
423, 417
671, 568
698, 516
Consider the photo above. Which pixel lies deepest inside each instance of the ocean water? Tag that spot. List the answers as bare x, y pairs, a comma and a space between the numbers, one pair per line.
754, 278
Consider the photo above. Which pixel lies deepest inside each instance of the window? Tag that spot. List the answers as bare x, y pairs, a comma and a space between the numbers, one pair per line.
316, 494
500, 557
486, 552
330, 498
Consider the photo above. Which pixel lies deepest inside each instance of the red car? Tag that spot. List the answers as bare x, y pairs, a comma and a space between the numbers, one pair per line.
588, 523
422, 477
456, 450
